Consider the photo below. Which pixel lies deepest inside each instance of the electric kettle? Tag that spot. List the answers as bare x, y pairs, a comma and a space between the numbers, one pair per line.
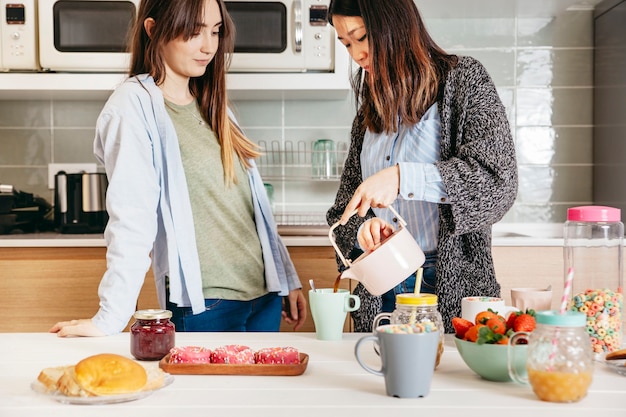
79, 202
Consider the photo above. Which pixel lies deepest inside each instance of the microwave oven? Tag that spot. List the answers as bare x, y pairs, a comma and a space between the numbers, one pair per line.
282, 36
18, 40
85, 35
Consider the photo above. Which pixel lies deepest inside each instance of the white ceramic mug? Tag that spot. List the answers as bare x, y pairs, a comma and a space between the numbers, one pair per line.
538, 299
471, 306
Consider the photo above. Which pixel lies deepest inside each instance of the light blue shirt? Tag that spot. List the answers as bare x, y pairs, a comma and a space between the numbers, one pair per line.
415, 149
150, 218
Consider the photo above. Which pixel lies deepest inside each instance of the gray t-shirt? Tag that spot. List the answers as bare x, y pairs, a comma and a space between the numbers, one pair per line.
228, 244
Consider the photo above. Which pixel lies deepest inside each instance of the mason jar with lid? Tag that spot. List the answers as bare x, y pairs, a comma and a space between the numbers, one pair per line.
415, 308
152, 335
593, 250
559, 359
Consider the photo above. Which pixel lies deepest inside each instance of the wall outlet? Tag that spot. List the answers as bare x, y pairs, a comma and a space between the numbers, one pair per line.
69, 169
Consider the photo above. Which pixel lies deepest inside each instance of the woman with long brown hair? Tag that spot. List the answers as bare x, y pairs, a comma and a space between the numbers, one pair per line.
431, 138
184, 193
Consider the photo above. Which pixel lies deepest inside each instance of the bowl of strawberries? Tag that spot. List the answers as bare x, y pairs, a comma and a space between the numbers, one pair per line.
483, 344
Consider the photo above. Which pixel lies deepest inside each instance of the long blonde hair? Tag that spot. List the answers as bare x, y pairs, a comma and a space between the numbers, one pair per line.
183, 18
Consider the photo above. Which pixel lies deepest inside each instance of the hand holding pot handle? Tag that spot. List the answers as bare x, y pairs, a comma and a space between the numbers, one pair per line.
331, 234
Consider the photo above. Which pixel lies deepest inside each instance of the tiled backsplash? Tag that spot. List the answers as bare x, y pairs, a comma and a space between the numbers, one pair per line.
543, 68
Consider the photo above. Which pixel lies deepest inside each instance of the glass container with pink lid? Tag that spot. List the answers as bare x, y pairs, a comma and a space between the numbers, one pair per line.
593, 253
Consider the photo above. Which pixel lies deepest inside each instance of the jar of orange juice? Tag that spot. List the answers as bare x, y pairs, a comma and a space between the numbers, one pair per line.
559, 357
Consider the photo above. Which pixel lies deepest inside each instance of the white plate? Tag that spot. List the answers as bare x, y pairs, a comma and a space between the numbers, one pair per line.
104, 399
618, 365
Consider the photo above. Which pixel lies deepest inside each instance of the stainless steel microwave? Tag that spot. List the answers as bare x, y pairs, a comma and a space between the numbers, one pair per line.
282, 36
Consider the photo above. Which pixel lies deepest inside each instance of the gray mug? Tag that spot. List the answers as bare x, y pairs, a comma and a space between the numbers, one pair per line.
408, 360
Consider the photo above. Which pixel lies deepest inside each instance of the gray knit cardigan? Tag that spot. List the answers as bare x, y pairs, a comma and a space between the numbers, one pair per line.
479, 170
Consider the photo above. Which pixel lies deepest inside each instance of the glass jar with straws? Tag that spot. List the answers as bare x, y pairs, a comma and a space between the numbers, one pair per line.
559, 357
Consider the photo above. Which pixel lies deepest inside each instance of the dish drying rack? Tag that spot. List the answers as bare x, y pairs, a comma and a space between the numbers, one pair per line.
293, 160
302, 224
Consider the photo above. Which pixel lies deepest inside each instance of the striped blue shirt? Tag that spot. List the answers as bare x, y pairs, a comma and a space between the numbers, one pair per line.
415, 149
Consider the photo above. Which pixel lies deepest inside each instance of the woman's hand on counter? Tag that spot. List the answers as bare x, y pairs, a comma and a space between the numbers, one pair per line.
83, 327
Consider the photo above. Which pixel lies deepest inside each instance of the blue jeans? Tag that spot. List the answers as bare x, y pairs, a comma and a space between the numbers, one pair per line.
408, 285
262, 314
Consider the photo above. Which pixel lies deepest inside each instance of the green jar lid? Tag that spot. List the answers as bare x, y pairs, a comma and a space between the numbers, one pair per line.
567, 319
152, 314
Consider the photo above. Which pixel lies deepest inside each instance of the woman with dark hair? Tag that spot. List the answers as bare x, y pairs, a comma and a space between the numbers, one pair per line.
184, 193
432, 139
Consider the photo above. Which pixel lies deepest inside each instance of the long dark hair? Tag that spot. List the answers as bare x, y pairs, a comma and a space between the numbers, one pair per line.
407, 67
182, 19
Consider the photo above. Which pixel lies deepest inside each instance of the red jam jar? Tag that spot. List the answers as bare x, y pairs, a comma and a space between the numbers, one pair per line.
152, 335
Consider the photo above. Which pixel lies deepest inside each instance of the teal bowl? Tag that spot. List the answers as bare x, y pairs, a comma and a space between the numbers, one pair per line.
491, 361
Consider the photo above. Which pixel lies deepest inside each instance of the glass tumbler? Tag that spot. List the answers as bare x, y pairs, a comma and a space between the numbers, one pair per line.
324, 159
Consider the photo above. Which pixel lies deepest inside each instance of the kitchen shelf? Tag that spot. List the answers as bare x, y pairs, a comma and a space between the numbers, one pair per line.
293, 161
241, 86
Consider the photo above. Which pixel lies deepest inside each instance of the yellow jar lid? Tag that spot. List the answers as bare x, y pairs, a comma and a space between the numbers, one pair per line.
417, 299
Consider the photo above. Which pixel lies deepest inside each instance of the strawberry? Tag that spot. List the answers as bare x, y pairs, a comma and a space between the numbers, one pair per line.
524, 322
471, 335
461, 326
511, 319
483, 316
496, 324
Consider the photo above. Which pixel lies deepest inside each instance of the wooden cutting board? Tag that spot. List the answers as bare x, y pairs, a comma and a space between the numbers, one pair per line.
234, 369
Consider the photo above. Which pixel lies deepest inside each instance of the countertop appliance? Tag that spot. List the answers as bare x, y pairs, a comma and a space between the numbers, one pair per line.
18, 41
22, 212
85, 35
79, 202
282, 36
272, 36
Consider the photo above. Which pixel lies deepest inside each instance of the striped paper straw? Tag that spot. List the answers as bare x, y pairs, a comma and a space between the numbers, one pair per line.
567, 289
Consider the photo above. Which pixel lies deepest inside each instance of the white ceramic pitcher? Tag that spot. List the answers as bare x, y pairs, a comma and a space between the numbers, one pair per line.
387, 265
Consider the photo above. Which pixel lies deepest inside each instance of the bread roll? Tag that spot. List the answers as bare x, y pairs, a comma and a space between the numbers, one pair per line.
67, 384
50, 376
110, 374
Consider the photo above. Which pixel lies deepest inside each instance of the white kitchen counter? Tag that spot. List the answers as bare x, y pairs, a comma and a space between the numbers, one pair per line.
511, 234
57, 240
332, 385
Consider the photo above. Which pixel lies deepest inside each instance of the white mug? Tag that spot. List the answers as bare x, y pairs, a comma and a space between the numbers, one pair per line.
471, 306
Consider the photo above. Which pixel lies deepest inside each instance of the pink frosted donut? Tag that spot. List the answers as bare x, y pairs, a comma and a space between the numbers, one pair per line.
190, 354
232, 354
277, 355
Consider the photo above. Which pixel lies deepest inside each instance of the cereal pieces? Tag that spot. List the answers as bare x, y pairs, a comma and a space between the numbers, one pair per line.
425, 326
603, 308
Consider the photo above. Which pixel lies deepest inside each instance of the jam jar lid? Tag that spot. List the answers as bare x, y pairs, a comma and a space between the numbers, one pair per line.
416, 299
152, 314
567, 319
